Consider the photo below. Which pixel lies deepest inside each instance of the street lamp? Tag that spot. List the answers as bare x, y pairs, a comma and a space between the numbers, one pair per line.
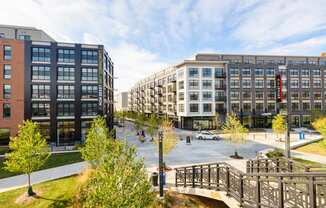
160, 161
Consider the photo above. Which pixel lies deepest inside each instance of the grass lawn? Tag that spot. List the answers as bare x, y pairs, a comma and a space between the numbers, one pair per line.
314, 148
54, 160
56, 193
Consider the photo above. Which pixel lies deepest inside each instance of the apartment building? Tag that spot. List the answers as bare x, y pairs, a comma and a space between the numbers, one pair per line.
193, 92
121, 101
62, 86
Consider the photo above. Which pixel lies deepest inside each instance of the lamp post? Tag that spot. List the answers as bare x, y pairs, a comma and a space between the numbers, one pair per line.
160, 161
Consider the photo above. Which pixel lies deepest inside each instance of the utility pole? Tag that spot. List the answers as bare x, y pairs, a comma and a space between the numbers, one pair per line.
160, 161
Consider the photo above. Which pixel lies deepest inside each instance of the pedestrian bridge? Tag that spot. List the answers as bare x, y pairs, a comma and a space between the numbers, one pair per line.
267, 183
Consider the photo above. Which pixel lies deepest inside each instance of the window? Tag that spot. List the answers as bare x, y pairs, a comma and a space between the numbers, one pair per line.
270, 107
181, 96
89, 92
317, 83
41, 54
6, 91
317, 105
294, 72
89, 109
24, 37
305, 72
234, 83
207, 72
305, 83
66, 131
234, 72
316, 72
306, 106
270, 83
66, 56
270, 72
89, 57
40, 109
317, 95
40, 73
247, 107
7, 53
66, 109
181, 107
294, 83
41, 91
294, 95
259, 107
6, 110
246, 72
234, 95
259, 83
66, 74
219, 72
193, 84
235, 107
7, 71
193, 72
207, 96
180, 74
246, 83
246, 95
89, 74
271, 95
85, 125
193, 108
193, 96
259, 72
181, 85
207, 107
66, 91
294, 106
259, 95
207, 84
305, 95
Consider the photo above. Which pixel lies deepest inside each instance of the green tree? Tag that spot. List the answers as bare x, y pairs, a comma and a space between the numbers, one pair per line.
316, 114
29, 151
96, 143
121, 181
139, 122
235, 132
279, 125
320, 126
169, 136
152, 126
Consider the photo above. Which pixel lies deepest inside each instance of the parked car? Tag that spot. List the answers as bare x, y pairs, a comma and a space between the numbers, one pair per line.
203, 135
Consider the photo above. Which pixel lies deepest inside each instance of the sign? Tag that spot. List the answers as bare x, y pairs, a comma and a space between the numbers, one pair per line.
279, 89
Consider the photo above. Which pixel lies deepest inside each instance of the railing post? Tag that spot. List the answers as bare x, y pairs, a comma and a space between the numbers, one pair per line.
241, 190
280, 192
193, 176
277, 165
227, 180
258, 191
258, 166
201, 176
185, 177
176, 177
266, 165
312, 192
217, 177
252, 166
209, 177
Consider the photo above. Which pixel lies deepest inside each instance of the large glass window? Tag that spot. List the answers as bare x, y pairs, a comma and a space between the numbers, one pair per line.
259, 72
193, 108
316, 72
66, 91
270, 83
193, 96
259, 107
270, 107
207, 96
259, 95
305, 72
246, 95
7, 71
246, 72
234, 95
181, 85
270, 72
66, 56
219, 72
259, 83
207, 84
7, 52
6, 91
89, 57
234, 83
294, 106
305, 83
66, 74
40, 73
89, 91
246, 83
89, 74
247, 107
234, 72
193, 72
41, 91
181, 96
41, 54
207, 72
89, 109
294, 72
235, 107
294, 83
6, 110
41, 109
306, 106
305, 95
207, 107
66, 132
193, 84
66, 109
317, 83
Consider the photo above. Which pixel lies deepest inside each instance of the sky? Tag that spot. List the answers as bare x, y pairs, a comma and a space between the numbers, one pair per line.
145, 36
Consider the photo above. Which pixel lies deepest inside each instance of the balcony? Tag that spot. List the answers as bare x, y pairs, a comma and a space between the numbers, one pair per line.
220, 87
220, 98
220, 75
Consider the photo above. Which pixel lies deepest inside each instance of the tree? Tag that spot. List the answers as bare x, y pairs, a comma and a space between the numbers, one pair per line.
320, 126
96, 143
152, 126
316, 114
120, 181
139, 122
169, 136
279, 125
29, 151
236, 133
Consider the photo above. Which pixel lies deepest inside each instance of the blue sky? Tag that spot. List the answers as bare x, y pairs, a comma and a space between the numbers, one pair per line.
144, 36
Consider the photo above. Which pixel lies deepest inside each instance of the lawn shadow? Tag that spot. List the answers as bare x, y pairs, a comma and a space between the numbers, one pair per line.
57, 203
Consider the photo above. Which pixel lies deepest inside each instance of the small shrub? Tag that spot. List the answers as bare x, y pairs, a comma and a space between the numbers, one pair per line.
275, 153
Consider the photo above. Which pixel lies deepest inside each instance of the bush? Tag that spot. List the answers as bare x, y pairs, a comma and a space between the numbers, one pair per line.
275, 153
